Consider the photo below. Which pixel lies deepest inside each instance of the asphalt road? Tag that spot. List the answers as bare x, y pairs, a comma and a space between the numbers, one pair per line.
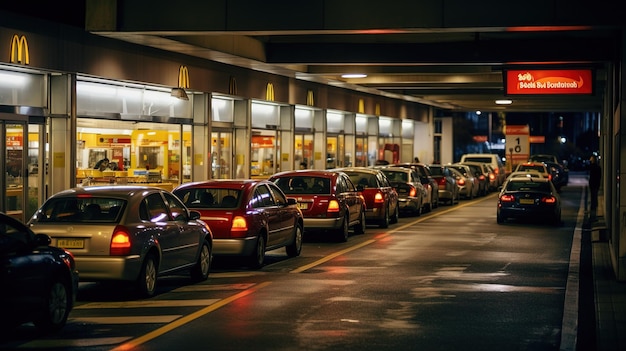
452, 279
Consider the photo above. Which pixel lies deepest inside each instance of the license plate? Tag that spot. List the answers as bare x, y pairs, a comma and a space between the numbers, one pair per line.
303, 205
526, 201
71, 243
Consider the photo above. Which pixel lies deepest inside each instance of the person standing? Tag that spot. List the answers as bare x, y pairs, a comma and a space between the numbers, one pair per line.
595, 178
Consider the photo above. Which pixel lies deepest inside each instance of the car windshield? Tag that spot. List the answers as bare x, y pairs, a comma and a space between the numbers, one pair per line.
528, 186
81, 210
209, 197
460, 169
304, 185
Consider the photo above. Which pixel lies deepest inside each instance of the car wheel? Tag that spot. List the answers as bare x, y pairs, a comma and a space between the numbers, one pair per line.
384, 223
435, 203
342, 233
53, 315
146, 283
257, 258
200, 271
396, 215
499, 219
418, 210
360, 227
295, 247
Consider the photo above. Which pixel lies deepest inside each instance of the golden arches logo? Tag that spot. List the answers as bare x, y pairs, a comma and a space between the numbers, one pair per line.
377, 110
269, 92
183, 77
232, 86
361, 106
19, 50
310, 100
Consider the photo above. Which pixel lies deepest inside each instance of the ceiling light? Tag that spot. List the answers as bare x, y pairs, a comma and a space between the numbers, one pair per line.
179, 93
504, 102
354, 75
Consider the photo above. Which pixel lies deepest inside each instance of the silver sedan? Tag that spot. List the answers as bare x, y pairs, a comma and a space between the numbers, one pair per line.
126, 233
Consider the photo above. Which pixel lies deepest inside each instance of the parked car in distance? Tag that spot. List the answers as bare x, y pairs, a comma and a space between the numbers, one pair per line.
247, 217
381, 199
328, 199
479, 173
560, 176
412, 196
525, 174
427, 181
446, 180
38, 282
493, 159
127, 233
467, 182
529, 198
534, 166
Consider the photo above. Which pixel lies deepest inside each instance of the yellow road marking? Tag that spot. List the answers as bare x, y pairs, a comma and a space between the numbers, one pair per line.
186, 319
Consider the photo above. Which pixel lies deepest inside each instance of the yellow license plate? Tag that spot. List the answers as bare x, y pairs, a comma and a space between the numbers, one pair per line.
526, 201
71, 243
303, 205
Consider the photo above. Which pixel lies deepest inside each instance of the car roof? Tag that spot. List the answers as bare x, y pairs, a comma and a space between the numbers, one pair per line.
222, 183
308, 172
359, 169
114, 190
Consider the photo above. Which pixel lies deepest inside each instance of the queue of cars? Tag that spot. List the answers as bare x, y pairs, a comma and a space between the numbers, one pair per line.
137, 234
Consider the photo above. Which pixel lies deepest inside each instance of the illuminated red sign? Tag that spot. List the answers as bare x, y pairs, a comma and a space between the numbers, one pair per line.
549, 82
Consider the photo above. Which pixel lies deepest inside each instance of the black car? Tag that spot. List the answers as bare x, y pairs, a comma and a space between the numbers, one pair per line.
38, 282
529, 198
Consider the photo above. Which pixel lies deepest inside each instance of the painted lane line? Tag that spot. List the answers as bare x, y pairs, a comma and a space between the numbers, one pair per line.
132, 344
148, 303
128, 320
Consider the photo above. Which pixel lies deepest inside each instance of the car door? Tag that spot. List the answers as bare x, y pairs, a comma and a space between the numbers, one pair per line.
349, 195
286, 212
164, 230
189, 238
271, 213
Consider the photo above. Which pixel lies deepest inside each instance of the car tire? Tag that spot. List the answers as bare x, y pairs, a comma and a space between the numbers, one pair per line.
359, 228
257, 258
396, 215
342, 233
146, 282
384, 223
295, 247
200, 271
56, 308
499, 219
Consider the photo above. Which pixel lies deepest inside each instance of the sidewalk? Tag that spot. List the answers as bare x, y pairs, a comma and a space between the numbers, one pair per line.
609, 295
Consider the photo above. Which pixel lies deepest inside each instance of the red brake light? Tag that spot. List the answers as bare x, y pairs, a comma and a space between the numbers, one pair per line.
461, 182
120, 242
481, 177
239, 224
412, 192
507, 198
492, 176
441, 181
549, 200
333, 206
378, 198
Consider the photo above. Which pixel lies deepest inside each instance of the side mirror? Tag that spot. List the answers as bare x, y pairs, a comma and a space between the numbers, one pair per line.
193, 215
42, 240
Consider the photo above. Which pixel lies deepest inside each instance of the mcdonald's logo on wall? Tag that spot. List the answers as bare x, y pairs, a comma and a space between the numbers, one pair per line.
310, 100
377, 110
19, 50
361, 106
183, 77
269, 92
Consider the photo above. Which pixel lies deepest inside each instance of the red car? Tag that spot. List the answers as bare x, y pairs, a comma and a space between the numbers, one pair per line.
247, 217
328, 200
381, 199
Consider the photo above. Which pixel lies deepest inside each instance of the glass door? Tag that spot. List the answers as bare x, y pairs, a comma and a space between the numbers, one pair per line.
221, 155
335, 151
303, 151
14, 156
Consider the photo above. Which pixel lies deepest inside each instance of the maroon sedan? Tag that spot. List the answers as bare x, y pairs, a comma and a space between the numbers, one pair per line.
381, 199
328, 200
247, 217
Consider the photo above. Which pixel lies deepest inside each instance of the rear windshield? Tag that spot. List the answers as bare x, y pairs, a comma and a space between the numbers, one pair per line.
396, 176
478, 159
209, 197
436, 171
539, 169
303, 185
81, 210
528, 186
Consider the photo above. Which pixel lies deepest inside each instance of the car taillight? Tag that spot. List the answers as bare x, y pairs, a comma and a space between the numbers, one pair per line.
333, 206
460, 182
549, 176
239, 224
378, 198
492, 176
68, 260
481, 177
507, 198
441, 181
497, 170
413, 191
549, 200
120, 242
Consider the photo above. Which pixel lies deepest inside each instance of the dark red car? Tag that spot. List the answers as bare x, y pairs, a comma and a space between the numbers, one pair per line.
381, 199
247, 217
328, 200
